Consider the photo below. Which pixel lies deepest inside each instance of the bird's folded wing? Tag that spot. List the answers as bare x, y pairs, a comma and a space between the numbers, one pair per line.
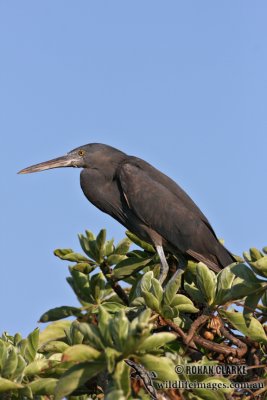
172, 187
157, 207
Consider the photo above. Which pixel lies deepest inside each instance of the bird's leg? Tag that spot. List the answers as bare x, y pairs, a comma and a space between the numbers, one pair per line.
164, 267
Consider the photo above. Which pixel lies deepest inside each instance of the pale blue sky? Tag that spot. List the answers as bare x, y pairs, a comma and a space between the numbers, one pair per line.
182, 84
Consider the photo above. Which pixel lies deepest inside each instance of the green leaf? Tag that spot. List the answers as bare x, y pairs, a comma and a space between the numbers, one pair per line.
17, 338
54, 331
144, 316
109, 247
80, 283
100, 241
115, 395
255, 254
119, 330
31, 347
257, 261
121, 377
69, 255
80, 353
39, 366
254, 331
192, 396
3, 352
111, 355
245, 273
156, 289
112, 306
261, 265
26, 393
194, 292
145, 283
211, 391
95, 251
186, 308
57, 313
135, 291
123, 246
54, 346
180, 299
156, 340
129, 266
172, 287
91, 334
61, 253
6, 385
11, 363
168, 312
20, 368
115, 259
104, 319
21, 345
144, 245
206, 281
44, 386
83, 267
264, 298
250, 305
97, 287
225, 280
162, 366
207, 394
151, 301
183, 304
138, 253
85, 245
89, 246
241, 288
74, 336
190, 271
89, 235
139, 329
76, 376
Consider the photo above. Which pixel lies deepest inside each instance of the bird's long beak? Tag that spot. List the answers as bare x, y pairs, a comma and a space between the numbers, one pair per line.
65, 161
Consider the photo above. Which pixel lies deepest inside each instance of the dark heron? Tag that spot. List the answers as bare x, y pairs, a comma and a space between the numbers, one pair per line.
145, 201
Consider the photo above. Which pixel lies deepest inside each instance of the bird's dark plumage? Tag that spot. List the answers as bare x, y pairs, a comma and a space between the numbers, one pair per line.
145, 201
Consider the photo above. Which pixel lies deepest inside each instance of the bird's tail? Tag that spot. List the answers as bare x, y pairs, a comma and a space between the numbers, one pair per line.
224, 256
217, 262
199, 257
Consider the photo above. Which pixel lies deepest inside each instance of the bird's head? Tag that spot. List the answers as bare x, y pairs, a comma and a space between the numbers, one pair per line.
75, 158
89, 156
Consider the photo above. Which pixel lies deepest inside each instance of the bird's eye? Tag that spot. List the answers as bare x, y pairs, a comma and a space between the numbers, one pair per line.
81, 153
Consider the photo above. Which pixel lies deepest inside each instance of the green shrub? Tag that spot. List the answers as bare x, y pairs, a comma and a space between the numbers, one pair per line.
129, 333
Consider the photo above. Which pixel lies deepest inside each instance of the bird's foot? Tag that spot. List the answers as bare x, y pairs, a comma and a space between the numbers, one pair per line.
164, 267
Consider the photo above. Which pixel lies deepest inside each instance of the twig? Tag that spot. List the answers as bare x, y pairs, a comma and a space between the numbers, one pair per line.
191, 349
257, 366
242, 347
105, 268
196, 324
262, 390
176, 328
215, 347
